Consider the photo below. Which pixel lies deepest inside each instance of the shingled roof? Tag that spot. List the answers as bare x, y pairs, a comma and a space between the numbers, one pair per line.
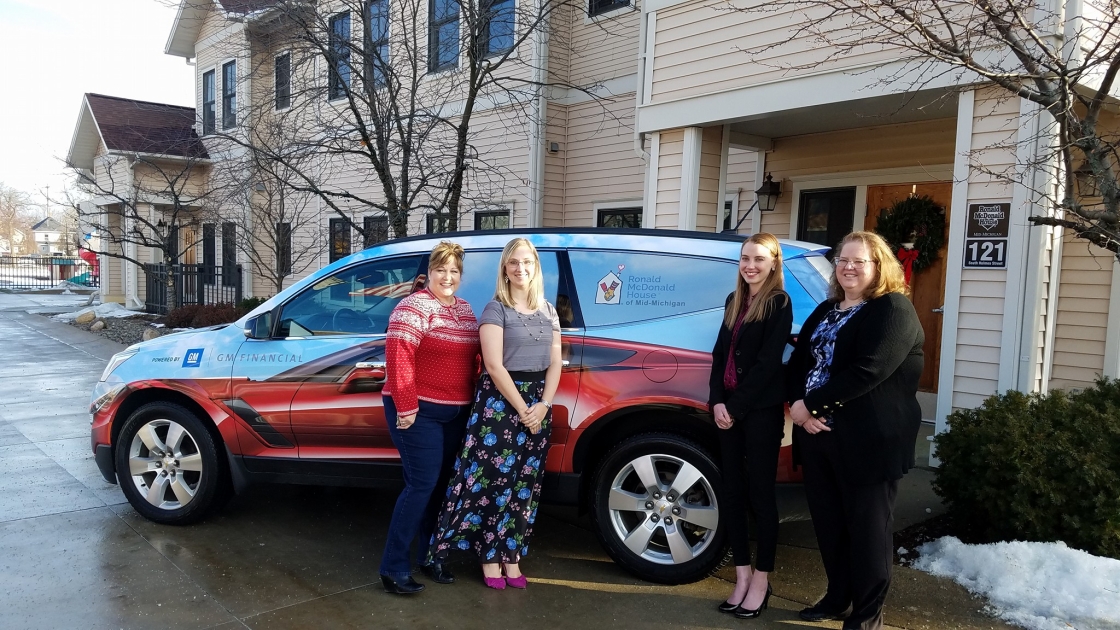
143, 127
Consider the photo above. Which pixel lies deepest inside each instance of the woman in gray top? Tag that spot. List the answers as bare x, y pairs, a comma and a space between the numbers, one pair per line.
492, 499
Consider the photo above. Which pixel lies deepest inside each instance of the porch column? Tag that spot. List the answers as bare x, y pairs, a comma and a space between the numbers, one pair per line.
684, 178
1112, 338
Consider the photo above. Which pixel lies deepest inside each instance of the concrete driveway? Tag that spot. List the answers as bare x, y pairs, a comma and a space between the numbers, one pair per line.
73, 554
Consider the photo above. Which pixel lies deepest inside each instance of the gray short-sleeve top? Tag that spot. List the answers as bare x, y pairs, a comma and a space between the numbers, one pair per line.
527, 339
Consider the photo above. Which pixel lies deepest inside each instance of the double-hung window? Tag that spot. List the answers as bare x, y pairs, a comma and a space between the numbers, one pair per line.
376, 230
284, 248
229, 254
440, 222
498, 22
338, 79
491, 220
283, 81
208, 102
598, 7
443, 34
229, 95
377, 42
340, 239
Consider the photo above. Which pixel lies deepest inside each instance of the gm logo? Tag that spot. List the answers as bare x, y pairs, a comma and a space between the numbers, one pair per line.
193, 358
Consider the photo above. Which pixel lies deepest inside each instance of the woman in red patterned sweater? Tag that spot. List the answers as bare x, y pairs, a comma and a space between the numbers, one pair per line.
432, 358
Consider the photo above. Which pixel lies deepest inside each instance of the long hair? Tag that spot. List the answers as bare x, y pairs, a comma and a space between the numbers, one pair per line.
889, 277
535, 298
771, 285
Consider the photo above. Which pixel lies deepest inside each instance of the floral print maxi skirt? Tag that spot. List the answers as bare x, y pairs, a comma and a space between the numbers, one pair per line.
492, 497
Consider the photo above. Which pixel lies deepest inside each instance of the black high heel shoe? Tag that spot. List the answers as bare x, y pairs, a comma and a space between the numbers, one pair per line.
724, 607
747, 613
407, 586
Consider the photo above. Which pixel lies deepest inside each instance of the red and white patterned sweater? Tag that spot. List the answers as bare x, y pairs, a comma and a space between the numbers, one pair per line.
432, 353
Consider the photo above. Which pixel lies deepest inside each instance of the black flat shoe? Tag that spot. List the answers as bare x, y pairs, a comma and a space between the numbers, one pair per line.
439, 572
747, 613
407, 586
817, 612
724, 607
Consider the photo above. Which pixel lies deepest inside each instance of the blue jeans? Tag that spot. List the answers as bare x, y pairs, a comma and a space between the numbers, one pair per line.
428, 450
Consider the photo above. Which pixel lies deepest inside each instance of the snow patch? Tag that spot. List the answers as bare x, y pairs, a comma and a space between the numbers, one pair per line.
1040, 586
110, 309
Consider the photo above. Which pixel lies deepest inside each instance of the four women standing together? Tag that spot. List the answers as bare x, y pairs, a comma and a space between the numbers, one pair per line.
851, 384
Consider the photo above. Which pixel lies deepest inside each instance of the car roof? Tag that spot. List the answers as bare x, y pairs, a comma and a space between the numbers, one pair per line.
636, 239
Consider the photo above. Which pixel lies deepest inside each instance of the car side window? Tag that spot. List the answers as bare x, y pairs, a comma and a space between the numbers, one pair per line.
480, 276
617, 287
353, 301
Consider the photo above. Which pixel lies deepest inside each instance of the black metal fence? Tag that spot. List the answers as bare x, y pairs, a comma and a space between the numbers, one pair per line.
18, 272
193, 284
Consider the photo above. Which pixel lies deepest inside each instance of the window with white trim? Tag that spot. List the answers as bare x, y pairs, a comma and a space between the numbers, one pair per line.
443, 34
208, 103
283, 83
229, 95
338, 62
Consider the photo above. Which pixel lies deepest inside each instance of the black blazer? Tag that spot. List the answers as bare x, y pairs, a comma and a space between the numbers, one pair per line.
758, 360
871, 389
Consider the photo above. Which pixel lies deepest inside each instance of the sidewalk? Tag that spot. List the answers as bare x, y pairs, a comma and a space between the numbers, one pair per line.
74, 553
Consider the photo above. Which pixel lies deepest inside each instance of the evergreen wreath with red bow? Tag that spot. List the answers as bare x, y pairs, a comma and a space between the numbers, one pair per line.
918, 220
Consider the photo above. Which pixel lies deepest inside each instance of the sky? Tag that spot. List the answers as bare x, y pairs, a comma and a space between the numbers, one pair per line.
54, 51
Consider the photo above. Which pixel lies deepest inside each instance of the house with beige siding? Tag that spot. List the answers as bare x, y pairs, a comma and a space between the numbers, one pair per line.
686, 127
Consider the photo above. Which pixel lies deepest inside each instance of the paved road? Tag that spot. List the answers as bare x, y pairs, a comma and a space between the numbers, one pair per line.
73, 554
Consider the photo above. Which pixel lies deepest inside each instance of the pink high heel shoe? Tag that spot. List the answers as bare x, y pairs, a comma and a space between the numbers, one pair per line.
496, 583
517, 582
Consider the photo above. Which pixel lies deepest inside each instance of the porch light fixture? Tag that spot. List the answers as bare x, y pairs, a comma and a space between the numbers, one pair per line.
1086, 182
765, 199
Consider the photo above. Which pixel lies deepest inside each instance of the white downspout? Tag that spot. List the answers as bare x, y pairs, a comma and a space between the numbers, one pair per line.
640, 90
132, 279
537, 120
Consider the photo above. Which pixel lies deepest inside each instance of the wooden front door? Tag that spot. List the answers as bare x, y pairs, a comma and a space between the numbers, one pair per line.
927, 287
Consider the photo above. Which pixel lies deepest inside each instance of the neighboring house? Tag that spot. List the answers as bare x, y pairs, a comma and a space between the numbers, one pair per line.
5, 247
137, 156
49, 236
690, 132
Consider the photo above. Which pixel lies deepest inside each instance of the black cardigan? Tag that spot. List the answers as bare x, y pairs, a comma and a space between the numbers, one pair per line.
758, 360
871, 389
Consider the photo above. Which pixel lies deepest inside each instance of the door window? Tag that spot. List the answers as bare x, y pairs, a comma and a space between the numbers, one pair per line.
625, 287
826, 216
355, 300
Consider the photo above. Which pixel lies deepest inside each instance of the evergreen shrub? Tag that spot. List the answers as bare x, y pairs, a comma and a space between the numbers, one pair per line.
1037, 468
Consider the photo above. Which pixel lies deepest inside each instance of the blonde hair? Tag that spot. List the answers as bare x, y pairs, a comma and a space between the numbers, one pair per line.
889, 277
446, 252
773, 284
535, 299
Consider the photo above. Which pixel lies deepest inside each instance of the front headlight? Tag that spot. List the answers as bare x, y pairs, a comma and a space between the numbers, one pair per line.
104, 398
116, 362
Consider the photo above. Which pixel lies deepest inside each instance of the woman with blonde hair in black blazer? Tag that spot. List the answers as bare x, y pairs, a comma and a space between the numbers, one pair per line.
747, 400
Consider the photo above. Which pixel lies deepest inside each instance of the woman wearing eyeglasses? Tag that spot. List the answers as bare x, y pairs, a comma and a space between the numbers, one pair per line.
853, 380
747, 402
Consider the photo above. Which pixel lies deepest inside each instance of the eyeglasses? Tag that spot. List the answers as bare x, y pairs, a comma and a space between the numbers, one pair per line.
855, 263
520, 263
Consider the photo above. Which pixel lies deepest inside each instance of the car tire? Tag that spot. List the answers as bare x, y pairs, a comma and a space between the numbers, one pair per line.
168, 465
657, 525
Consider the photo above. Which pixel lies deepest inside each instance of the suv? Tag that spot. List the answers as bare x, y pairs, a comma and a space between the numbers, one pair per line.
290, 393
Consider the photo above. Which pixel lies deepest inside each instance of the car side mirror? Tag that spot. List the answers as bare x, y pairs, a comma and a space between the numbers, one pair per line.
259, 327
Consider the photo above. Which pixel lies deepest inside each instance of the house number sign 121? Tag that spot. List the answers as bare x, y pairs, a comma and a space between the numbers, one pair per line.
985, 253
986, 234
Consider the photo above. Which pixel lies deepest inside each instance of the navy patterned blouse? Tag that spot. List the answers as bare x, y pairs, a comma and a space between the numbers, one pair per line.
821, 344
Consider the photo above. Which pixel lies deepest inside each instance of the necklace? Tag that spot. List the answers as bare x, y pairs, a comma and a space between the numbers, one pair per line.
525, 319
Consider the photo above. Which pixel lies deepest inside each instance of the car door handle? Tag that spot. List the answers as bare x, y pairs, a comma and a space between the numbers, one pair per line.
566, 362
367, 376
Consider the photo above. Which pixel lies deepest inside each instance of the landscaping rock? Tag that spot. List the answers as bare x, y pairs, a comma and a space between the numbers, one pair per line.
85, 318
98, 325
150, 333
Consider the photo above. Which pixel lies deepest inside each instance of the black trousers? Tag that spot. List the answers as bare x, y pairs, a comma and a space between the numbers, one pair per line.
854, 527
749, 453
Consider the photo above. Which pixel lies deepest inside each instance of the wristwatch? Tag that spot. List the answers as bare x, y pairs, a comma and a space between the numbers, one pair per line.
546, 404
